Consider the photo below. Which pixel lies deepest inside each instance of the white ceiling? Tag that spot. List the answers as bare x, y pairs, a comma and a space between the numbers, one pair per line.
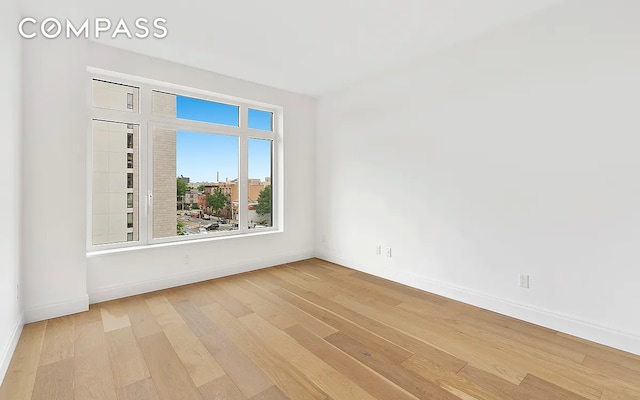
309, 47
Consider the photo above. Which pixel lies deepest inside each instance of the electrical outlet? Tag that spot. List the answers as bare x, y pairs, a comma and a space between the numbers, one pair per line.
18, 291
324, 238
387, 251
187, 260
378, 249
524, 281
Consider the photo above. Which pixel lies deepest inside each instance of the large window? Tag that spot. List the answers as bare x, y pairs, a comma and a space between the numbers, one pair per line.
173, 164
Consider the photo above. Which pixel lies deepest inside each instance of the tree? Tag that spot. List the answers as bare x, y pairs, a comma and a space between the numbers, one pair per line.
181, 191
201, 188
216, 200
264, 201
180, 229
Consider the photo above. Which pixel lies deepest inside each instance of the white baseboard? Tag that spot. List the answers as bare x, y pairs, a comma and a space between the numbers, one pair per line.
56, 309
8, 351
539, 316
98, 295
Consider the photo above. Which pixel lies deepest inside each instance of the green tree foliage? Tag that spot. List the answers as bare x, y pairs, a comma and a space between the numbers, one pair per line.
264, 201
182, 188
217, 200
180, 229
201, 188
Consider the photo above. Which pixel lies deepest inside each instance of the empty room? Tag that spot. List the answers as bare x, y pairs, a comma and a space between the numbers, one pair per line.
353, 199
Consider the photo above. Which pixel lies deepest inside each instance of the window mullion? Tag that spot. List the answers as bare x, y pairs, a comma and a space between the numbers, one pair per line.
243, 206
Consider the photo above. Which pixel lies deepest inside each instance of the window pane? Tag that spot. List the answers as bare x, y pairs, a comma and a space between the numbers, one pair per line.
259, 185
170, 105
195, 177
262, 120
115, 96
114, 187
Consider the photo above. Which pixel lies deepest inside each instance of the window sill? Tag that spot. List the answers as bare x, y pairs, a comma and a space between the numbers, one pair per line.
97, 253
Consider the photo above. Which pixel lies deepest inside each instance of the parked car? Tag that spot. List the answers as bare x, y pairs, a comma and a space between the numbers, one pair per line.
207, 217
212, 227
222, 220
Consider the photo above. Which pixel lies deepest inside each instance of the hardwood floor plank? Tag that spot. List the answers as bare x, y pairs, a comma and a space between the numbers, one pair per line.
616, 370
377, 385
242, 370
54, 381
93, 373
217, 292
163, 311
463, 347
328, 379
500, 388
368, 356
620, 393
297, 315
198, 323
273, 393
446, 379
21, 374
58, 340
114, 316
221, 388
347, 324
143, 322
547, 390
255, 304
141, 390
523, 339
169, 375
292, 382
400, 289
200, 364
127, 363
366, 330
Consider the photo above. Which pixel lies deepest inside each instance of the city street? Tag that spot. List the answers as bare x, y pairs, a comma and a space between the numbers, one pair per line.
197, 226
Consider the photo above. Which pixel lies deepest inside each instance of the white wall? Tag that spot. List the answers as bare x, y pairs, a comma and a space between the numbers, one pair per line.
10, 204
58, 274
54, 168
514, 152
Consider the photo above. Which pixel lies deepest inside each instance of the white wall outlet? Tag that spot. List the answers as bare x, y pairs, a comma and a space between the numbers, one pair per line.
524, 281
187, 259
324, 239
387, 251
18, 291
378, 249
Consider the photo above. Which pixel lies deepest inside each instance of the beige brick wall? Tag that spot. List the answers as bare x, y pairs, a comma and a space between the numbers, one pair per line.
164, 104
113, 96
164, 183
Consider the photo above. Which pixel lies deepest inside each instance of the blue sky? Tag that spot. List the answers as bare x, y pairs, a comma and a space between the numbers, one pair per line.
201, 155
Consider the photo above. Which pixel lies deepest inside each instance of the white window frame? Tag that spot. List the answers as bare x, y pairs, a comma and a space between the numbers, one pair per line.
146, 122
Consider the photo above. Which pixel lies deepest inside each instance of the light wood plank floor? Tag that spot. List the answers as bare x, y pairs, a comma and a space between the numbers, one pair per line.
307, 330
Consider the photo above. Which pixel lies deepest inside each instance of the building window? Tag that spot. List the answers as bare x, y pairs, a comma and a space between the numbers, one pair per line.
208, 168
110, 181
